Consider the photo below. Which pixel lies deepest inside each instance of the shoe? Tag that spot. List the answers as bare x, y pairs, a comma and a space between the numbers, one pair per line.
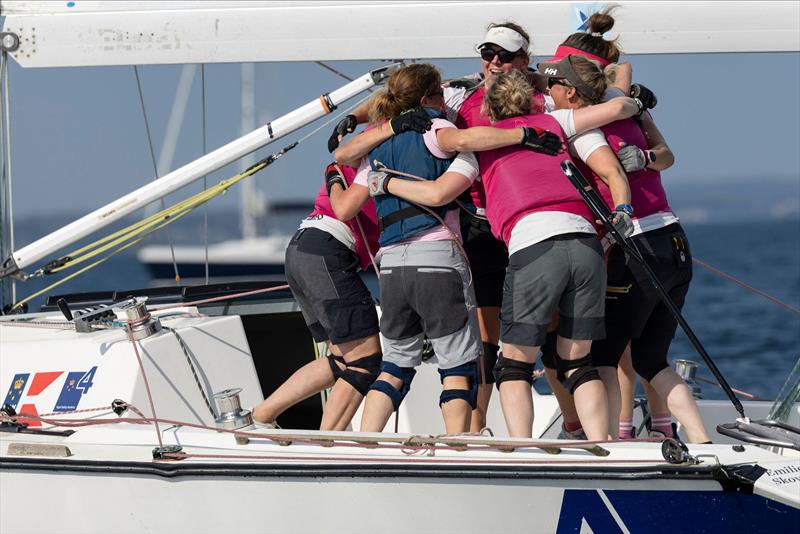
265, 426
659, 434
574, 435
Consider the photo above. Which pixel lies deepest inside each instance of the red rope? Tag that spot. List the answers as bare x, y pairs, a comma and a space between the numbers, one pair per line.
146, 385
739, 391
747, 287
225, 297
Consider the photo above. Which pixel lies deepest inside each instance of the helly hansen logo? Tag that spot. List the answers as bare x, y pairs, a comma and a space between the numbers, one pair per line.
550, 71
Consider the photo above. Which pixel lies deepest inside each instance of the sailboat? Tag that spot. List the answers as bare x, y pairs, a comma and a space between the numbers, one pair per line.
127, 411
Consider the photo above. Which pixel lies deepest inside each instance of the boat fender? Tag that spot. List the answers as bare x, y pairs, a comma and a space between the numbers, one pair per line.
360, 373
469, 370
584, 372
507, 369
406, 374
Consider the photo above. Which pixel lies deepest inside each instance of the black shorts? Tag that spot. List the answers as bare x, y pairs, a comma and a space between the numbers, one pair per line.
634, 310
488, 259
323, 275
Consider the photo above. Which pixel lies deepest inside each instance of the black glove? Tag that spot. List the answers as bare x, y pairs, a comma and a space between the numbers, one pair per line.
416, 120
542, 141
332, 176
646, 96
346, 125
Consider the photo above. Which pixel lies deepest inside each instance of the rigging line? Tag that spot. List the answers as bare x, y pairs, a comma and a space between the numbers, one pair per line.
745, 286
336, 72
155, 166
205, 149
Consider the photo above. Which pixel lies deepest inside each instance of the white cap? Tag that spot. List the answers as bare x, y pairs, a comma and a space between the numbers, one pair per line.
505, 37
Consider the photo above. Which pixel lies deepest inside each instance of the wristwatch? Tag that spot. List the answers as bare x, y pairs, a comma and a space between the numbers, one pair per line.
627, 208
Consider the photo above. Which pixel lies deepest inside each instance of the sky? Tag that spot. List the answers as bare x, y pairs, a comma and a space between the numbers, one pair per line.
79, 139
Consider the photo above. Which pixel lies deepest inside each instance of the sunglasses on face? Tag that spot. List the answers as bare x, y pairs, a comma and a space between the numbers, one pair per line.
556, 81
487, 54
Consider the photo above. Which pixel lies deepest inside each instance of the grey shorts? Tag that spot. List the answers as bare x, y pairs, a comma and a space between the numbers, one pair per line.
565, 272
322, 274
425, 291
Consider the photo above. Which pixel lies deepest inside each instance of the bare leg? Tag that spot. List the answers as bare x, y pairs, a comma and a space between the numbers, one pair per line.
627, 384
565, 400
671, 387
309, 380
591, 401
378, 407
655, 402
611, 383
489, 324
456, 412
515, 395
344, 399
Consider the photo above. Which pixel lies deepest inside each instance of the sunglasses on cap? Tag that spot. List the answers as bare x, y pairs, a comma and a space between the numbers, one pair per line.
487, 54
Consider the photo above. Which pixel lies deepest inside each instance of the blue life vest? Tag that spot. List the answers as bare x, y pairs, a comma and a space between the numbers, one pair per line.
406, 152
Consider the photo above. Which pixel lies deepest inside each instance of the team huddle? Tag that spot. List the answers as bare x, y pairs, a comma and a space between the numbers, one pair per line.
455, 193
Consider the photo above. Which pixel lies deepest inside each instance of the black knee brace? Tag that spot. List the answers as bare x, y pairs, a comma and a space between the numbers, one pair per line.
361, 381
584, 372
469, 370
507, 369
549, 354
406, 374
487, 363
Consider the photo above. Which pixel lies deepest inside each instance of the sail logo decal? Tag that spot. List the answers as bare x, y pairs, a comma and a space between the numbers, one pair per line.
75, 385
580, 14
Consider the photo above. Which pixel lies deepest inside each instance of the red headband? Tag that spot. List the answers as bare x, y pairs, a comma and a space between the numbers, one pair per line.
564, 51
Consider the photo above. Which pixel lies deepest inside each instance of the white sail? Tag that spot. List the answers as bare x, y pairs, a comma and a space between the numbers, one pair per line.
63, 34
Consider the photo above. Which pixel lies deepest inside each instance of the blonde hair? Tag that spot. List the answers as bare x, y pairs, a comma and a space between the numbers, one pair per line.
592, 75
509, 96
404, 89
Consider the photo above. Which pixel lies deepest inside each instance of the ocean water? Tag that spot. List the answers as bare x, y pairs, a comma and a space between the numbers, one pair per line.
754, 342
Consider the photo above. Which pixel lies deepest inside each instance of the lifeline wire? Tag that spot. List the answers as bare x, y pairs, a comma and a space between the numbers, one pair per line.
7, 177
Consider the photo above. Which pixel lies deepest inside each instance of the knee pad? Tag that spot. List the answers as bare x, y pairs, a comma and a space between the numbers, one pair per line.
584, 372
487, 363
361, 381
406, 374
469, 370
549, 350
648, 369
507, 369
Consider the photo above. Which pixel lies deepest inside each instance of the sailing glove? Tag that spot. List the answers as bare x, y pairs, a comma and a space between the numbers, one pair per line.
542, 141
622, 222
345, 126
633, 158
332, 176
377, 182
416, 120
647, 97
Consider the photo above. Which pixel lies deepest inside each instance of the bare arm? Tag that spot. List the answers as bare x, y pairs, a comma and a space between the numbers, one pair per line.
599, 115
359, 146
657, 144
477, 138
430, 192
606, 165
347, 203
620, 75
